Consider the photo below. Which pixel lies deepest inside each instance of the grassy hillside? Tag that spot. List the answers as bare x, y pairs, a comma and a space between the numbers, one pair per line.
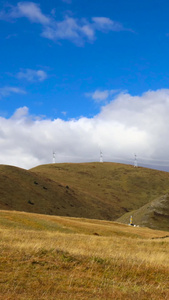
154, 214
122, 187
27, 191
47, 257
90, 190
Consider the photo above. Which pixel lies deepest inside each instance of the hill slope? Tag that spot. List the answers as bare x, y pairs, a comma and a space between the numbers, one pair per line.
16, 220
27, 191
91, 190
122, 187
154, 214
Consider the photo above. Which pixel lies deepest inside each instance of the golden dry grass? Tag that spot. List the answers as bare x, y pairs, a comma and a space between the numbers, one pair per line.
46, 257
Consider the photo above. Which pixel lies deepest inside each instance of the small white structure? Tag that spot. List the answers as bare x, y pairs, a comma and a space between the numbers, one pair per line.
135, 161
101, 156
54, 157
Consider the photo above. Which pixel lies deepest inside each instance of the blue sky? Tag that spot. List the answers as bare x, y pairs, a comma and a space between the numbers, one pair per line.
72, 60
128, 54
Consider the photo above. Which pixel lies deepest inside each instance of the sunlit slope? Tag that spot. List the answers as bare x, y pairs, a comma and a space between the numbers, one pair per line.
13, 220
154, 214
122, 187
53, 257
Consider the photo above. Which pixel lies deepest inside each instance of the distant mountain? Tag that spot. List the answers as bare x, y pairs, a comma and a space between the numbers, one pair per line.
90, 190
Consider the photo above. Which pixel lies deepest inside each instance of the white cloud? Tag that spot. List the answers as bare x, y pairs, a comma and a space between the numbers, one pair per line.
88, 31
99, 96
8, 90
20, 114
66, 29
32, 11
106, 24
29, 10
32, 75
64, 113
127, 125
79, 30
76, 30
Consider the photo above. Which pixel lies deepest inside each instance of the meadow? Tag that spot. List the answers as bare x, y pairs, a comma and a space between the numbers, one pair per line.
51, 257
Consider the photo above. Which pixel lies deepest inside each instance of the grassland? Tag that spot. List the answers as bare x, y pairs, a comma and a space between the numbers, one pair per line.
121, 187
48, 257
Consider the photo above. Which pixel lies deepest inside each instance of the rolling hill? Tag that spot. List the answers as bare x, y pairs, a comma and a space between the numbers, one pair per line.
154, 214
27, 191
91, 190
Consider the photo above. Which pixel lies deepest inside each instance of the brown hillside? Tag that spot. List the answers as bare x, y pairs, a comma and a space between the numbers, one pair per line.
122, 187
154, 214
91, 190
30, 192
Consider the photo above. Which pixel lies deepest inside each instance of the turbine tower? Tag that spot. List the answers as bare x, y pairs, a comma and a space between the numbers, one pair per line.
135, 161
101, 156
54, 157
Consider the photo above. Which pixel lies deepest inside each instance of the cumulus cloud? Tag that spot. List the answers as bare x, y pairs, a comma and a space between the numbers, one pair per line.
77, 31
125, 126
32, 75
8, 90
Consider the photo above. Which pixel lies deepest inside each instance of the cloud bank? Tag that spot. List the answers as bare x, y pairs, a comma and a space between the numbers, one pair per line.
125, 126
75, 30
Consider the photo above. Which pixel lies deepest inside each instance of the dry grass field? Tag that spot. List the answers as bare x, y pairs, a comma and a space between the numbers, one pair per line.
47, 257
